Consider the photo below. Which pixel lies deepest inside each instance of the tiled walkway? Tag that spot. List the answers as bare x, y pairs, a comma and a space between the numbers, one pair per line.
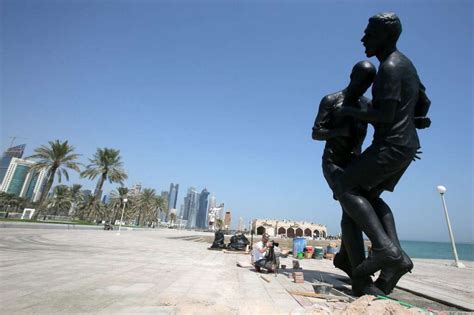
94, 271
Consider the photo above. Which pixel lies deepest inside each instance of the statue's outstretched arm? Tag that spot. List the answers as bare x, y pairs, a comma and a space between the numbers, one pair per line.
384, 114
322, 134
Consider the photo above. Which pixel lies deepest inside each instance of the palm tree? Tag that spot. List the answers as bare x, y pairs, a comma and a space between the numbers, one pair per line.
162, 205
172, 217
6, 199
147, 206
61, 200
55, 158
11, 202
107, 165
82, 207
116, 201
77, 197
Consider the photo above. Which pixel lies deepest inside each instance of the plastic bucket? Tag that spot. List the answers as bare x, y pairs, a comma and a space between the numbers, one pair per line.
299, 244
332, 250
318, 252
322, 288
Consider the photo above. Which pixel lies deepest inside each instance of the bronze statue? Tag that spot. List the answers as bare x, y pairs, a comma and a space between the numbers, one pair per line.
399, 106
344, 138
397, 94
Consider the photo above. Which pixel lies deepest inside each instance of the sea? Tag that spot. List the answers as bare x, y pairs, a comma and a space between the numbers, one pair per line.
435, 250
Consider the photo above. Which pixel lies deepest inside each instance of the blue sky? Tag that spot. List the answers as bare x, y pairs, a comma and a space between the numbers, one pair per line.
223, 95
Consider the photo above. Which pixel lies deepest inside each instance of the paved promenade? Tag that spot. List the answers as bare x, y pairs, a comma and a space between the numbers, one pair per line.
149, 271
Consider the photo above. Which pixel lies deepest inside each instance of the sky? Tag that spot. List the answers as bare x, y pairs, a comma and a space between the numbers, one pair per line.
223, 94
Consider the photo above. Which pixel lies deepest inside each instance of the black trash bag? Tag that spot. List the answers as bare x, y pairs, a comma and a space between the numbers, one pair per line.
218, 240
238, 242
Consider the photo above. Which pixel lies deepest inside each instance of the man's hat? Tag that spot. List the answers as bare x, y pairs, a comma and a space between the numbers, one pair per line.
266, 235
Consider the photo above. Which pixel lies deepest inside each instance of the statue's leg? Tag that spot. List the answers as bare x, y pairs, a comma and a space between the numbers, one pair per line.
385, 253
332, 172
390, 276
379, 167
354, 250
342, 259
385, 215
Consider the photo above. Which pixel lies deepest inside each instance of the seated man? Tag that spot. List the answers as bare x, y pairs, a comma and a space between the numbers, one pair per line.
260, 257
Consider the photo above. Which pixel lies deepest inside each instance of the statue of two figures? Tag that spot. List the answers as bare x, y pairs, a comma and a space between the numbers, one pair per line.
399, 107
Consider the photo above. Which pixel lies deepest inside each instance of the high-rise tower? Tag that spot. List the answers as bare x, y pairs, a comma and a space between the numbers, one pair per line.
20, 180
201, 218
173, 196
8, 155
191, 205
212, 202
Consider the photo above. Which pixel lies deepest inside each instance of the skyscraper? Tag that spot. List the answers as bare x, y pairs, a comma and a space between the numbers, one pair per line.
13, 152
190, 207
164, 195
20, 180
213, 215
212, 202
86, 192
173, 196
220, 214
227, 220
134, 190
240, 226
201, 217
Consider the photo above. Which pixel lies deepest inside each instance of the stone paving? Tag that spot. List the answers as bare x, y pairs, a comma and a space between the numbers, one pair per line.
46, 271
84, 271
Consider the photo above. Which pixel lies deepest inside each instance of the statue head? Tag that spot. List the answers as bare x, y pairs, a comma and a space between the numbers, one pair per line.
382, 33
362, 76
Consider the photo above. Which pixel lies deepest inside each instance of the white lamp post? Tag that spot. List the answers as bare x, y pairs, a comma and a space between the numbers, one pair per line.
442, 190
121, 218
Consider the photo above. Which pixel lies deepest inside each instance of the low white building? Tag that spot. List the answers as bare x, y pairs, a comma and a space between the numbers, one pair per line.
288, 228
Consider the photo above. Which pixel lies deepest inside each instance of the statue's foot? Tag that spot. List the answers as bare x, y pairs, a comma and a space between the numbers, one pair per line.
380, 258
342, 262
390, 276
364, 286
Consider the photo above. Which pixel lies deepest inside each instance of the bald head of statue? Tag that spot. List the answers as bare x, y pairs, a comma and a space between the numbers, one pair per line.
362, 76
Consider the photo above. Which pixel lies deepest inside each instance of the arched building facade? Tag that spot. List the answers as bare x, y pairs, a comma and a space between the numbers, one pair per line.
287, 228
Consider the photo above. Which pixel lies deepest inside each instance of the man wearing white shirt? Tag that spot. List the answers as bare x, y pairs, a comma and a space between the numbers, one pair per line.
259, 252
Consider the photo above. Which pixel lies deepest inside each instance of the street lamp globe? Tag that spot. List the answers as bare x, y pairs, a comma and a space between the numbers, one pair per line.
441, 189
125, 200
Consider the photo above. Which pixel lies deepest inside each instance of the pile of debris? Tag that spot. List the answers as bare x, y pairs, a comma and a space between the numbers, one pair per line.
366, 304
238, 242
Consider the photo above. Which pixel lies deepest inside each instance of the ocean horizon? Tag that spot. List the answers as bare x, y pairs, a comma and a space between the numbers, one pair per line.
438, 250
